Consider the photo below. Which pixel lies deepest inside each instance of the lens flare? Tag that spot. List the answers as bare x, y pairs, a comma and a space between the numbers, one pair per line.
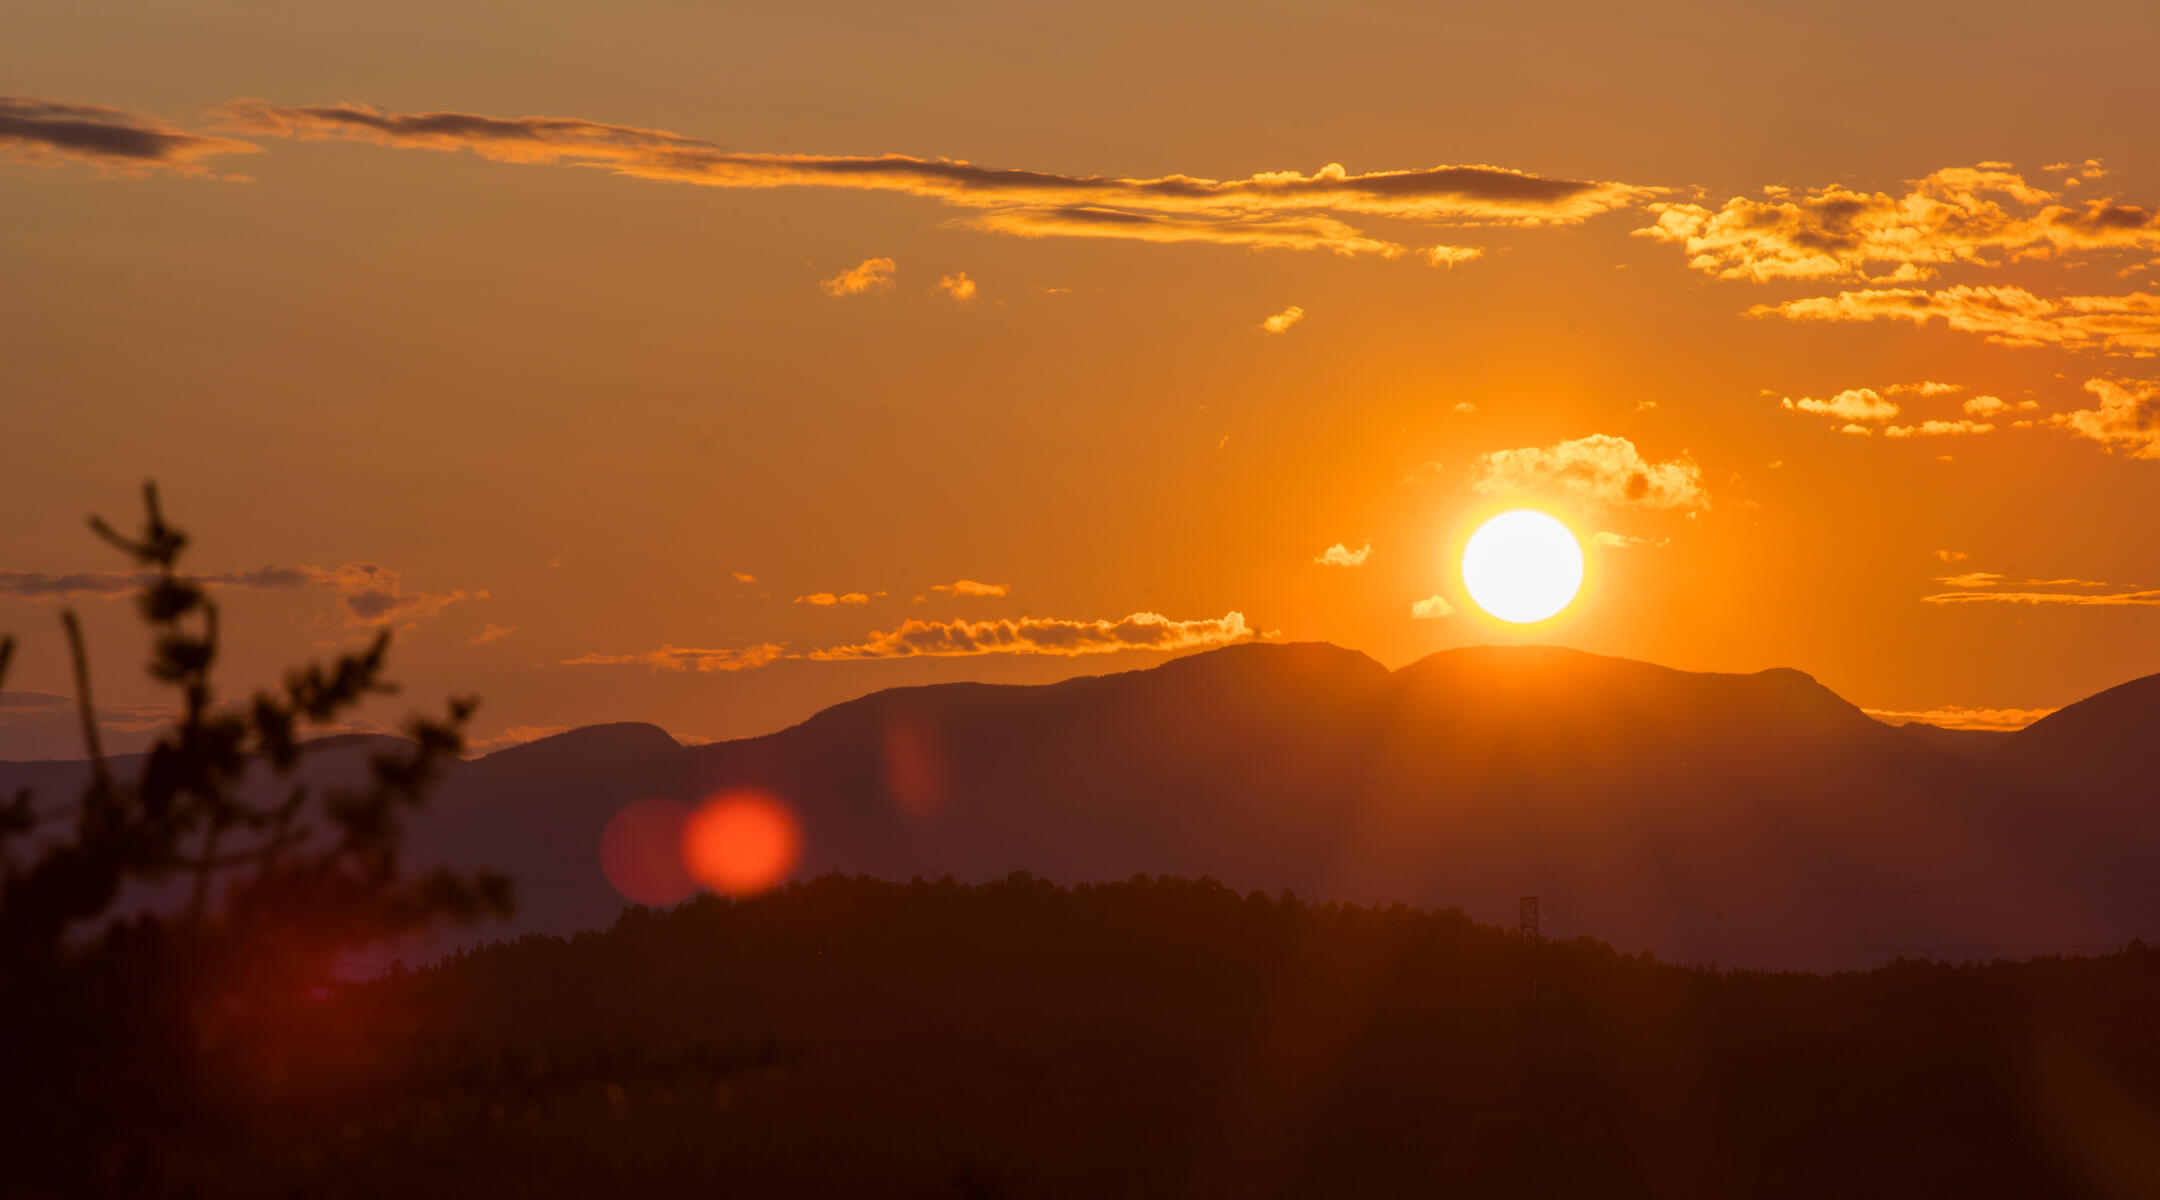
741, 842
640, 855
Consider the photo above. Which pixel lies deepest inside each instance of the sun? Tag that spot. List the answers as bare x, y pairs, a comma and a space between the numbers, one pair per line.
1522, 566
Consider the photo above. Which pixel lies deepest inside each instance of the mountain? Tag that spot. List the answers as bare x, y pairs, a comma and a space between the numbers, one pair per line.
1752, 818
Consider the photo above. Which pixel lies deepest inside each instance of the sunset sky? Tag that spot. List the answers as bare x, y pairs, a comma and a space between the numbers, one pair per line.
710, 364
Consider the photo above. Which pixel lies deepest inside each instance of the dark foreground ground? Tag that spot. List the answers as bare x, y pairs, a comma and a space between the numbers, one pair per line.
850, 1037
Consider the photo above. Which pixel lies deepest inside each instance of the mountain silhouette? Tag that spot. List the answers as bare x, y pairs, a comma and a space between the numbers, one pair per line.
1755, 818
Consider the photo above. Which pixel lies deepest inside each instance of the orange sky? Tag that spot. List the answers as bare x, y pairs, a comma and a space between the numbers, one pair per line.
593, 407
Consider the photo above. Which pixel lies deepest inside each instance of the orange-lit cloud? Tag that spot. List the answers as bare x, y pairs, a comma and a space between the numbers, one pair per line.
965, 587
1852, 404
2080, 599
1621, 541
491, 632
1950, 556
1600, 469
680, 658
870, 275
958, 286
1985, 215
828, 599
51, 132
2127, 419
514, 735
1981, 579
743, 577
1282, 321
1044, 635
1431, 608
1280, 208
376, 595
1990, 406
2011, 316
1341, 555
1956, 716
1938, 429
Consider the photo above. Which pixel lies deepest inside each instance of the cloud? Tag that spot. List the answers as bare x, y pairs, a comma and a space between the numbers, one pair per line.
1600, 469
1282, 321
1938, 429
1950, 556
514, 735
1927, 387
1621, 541
869, 275
1272, 209
1431, 608
1043, 635
827, 599
670, 657
1340, 555
958, 286
1856, 430
2126, 421
1957, 716
965, 587
2010, 316
2080, 599
1981, 579
370, 594
40, 585
1985, 216
376, 595
491, 632
743, 576
1988, 406
1448, 256
1852, 404
51, 132
1465, 407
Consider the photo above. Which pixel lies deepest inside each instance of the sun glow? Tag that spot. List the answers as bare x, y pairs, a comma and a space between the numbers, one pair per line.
1522, 566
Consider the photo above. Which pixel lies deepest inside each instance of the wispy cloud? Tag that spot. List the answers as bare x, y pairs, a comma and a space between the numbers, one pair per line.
1985, 215
1341, 555
965, 587
828, 599
2127, 419
1938, 429
1957, 716
491, 632
2074, 599
50, 132
1043, 635
1279, 208
368, 593
1282, 321
670, 657
2012, 316
1600, 469
869, 275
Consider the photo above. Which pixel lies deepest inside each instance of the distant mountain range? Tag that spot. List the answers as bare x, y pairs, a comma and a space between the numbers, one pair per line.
1755, 819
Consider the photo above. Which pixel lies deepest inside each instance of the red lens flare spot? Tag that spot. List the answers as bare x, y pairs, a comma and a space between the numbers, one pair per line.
741, 842
640, 853
915, 774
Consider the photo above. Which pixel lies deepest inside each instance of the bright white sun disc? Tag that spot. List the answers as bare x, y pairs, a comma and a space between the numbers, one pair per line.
1522, 566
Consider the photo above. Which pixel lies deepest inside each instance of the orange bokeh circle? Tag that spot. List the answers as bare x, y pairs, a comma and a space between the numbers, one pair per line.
741, 842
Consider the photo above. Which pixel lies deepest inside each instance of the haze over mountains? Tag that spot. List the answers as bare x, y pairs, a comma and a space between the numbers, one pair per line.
1755, 819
